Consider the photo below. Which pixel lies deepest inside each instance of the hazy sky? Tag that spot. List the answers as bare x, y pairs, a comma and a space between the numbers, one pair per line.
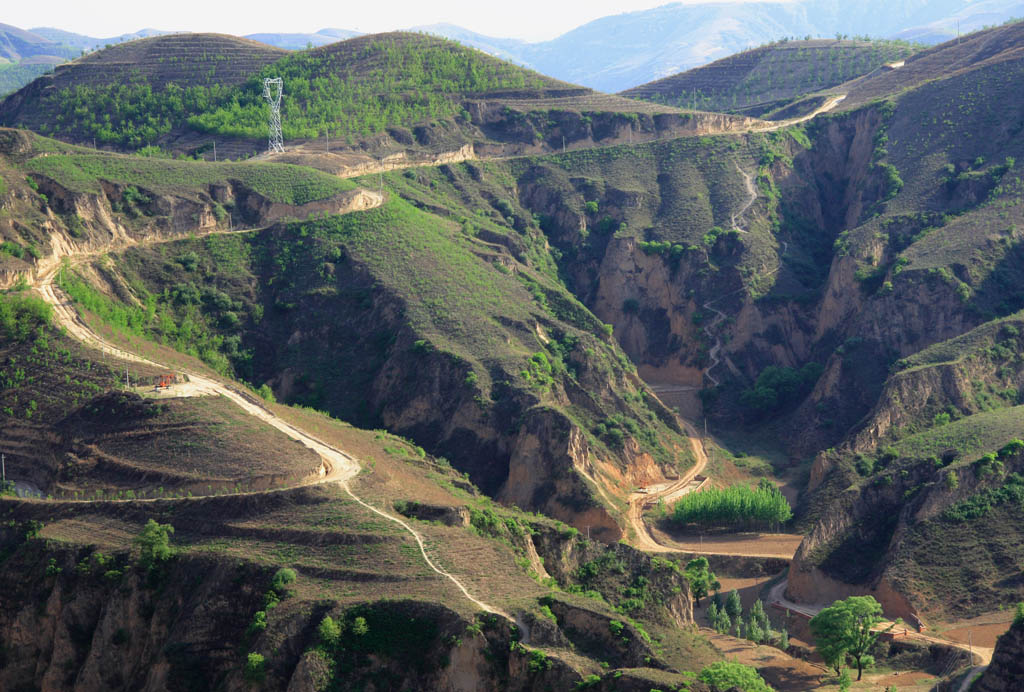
529, 19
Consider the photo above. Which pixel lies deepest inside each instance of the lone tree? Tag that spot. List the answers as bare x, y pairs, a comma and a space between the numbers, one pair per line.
847, 628
154, 544
702, 579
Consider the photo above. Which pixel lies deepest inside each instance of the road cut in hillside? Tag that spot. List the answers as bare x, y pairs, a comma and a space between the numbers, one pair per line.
338, 467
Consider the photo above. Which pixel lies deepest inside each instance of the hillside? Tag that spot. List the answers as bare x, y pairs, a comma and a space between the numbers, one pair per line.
625, 50
268, 538
768, 78
17, 45
338, 554
504, 297
379, 93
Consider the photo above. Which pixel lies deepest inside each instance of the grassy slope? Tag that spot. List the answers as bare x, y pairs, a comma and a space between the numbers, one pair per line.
284, 183
771, 75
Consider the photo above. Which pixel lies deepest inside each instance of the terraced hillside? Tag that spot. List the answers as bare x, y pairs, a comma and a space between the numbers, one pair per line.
766, 79
382, 93
146, 87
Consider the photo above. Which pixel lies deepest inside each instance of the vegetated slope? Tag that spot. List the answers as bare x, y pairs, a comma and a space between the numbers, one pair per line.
400, 319
201, 614
460, 336
935, 267
25, 55
375, 94
69, 429
63, 197
988, 47
146, 87
868, 236
349, 563
768, 78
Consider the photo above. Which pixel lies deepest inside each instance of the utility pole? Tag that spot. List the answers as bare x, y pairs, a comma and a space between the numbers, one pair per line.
3, 465
563, 144
127, 384
215, 152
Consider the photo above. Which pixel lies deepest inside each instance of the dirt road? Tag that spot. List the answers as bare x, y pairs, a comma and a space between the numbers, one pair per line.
777, 597
338, 467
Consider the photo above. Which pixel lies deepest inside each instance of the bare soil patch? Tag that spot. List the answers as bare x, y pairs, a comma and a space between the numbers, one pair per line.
781, 545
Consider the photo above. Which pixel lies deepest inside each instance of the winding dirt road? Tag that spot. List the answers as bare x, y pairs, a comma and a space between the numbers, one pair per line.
337, 466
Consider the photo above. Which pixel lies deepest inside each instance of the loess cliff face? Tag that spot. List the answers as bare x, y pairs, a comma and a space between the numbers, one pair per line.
889, 535
117, 628
1006, 671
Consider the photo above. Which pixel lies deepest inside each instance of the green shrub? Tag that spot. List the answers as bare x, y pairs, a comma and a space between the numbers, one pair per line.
329, 631
255, 668
21, 317
725, 675
282, 578
154, 544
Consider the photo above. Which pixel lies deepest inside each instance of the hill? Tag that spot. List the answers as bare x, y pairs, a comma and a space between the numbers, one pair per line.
17, 45
758, 81
975, 16
268, 541
622, 51
303, 41
383, 92
82, 43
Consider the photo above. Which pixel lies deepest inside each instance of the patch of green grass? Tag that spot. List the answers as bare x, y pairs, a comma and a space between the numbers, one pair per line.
281, 183
971, 436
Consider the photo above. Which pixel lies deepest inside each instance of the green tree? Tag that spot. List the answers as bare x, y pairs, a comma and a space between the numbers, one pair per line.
733, 605
702, 580
154, 544
726, 675
846, 628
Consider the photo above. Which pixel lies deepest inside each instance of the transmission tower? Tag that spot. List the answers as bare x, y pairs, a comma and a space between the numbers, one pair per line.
272, 90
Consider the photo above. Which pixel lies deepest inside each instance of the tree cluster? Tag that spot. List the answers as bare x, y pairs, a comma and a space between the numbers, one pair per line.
736, 506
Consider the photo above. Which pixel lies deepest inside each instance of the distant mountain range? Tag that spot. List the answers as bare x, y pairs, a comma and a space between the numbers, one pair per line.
621, 51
